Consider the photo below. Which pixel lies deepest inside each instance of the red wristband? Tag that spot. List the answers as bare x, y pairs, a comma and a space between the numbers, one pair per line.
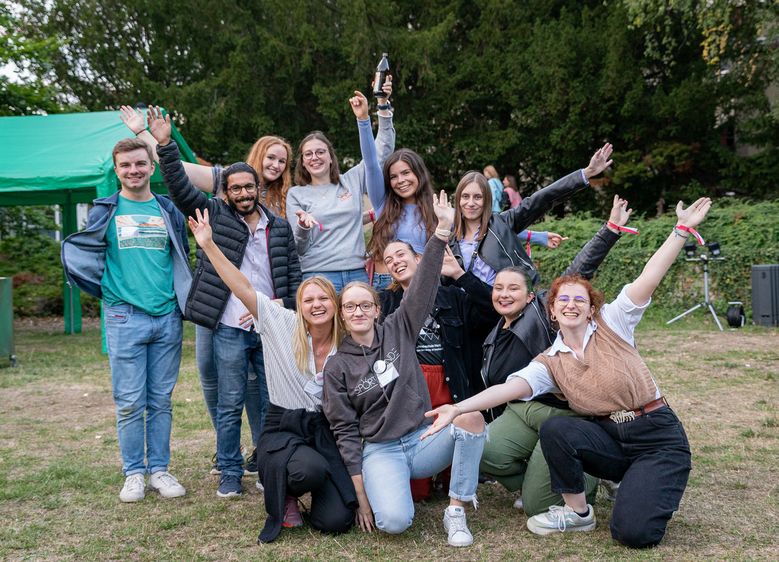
527, 245
625, 229
692, 231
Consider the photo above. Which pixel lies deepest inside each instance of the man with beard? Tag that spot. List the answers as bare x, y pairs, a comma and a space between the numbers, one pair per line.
262, 246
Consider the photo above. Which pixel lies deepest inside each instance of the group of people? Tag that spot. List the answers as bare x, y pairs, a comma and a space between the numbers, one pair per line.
367, 370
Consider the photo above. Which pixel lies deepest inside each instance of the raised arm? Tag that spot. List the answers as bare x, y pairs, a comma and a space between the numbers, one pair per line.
589, 258
231, 275
535, 206
374, 179
200, 176
420, 296
640, 291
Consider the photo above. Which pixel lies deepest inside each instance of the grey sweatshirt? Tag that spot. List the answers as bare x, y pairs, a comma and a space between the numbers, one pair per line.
340, 244
354, 401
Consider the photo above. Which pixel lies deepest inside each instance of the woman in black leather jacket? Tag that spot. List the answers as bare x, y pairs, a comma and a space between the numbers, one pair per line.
486, 242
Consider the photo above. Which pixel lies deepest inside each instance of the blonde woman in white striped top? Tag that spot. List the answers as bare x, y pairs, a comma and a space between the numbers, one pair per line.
296, 451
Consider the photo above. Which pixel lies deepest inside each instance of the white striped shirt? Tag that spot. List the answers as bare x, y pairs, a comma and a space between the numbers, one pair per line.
286, 384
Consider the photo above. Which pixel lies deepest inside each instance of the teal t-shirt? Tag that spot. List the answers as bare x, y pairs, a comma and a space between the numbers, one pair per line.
139, 262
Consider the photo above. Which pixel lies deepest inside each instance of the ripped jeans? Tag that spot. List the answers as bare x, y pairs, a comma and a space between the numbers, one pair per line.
388, 466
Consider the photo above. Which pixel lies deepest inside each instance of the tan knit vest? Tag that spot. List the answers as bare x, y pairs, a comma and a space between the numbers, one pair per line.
611, 377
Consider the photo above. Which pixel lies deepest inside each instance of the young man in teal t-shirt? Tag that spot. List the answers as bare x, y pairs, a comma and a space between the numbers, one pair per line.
142, 276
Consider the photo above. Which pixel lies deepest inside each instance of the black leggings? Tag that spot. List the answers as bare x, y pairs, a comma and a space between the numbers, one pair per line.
308, 471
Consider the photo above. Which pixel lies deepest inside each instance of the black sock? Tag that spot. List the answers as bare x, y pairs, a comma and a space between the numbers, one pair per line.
585, 514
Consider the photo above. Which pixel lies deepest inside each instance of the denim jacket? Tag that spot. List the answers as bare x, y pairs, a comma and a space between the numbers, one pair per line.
83, 253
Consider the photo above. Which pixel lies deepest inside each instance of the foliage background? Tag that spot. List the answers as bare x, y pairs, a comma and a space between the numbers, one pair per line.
682, 88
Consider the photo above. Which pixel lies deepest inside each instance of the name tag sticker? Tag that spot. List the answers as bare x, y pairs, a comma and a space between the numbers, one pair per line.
389, 374
313, 389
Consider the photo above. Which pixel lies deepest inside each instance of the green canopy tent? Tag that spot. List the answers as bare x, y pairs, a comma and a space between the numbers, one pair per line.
64, 159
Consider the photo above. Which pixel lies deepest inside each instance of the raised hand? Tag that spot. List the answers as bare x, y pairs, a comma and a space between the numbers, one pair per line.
201, 228
693, 215
553, 240
359, 105
620, 212
451, 267
443, 211
443, 417
133, 118
599, 161
307, 220
159, 126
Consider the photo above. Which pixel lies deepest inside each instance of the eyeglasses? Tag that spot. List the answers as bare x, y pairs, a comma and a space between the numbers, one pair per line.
236, 189
350, 307
319, 153
577, 300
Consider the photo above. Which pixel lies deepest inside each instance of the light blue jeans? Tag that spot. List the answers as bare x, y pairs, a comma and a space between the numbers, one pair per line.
206, 366
387, 468
234, 350
340, 279
144, 353
381, 281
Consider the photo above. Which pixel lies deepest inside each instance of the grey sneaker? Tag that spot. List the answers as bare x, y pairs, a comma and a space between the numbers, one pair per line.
561, 519
519, 504
134, 489
609, 489
456, 526
166, 484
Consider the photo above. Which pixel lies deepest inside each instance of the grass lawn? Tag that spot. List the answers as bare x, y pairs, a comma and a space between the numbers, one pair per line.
60, 467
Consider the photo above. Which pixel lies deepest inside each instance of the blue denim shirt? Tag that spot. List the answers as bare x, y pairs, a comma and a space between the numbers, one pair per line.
83, 253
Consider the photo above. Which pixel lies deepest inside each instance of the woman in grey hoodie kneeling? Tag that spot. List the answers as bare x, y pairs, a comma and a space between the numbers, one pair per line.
375, 398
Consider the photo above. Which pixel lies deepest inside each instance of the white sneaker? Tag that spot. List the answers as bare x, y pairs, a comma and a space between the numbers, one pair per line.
134, 489
259, 486
561, 519
166, 484
518, 504
455, 525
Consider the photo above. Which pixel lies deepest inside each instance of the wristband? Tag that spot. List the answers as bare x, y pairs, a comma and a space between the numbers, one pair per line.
692, 231
372, 215
625, 229
442, 232
384, 106
527, 245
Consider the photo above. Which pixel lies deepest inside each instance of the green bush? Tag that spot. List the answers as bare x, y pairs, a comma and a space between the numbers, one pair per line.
748, 234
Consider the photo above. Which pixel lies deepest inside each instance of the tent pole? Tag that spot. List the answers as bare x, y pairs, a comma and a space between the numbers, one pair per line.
71, 295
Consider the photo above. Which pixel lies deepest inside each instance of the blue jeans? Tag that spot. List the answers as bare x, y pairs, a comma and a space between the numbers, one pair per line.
340, 279
144, 353
388, 466
381, 281
234, 350
206, 366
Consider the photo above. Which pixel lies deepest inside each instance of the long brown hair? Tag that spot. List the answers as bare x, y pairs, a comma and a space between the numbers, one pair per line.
486, 211
300, 335
276, 196
302, 177
384, 231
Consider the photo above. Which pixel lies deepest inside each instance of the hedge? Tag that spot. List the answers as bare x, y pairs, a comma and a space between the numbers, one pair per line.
748, 234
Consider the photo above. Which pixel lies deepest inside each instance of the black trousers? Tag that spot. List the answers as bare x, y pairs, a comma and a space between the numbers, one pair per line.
650, 456
308, 471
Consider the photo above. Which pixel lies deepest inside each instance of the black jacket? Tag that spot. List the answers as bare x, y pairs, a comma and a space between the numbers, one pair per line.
464, 312
501, 247
209, 294
284, 431
532, 327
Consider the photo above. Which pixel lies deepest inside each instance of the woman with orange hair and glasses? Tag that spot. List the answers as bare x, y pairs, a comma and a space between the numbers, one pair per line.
630, 434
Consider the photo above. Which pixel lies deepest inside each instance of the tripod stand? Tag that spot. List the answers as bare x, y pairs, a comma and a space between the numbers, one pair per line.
706, 304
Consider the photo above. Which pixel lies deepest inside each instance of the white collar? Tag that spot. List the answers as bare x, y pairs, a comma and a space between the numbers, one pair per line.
559, 345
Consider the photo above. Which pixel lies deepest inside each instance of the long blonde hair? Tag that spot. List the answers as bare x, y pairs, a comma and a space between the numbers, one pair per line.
300, 335
276, 196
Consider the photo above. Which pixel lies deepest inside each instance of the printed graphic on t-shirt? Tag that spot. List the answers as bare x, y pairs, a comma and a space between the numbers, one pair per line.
430, 349
143, 232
